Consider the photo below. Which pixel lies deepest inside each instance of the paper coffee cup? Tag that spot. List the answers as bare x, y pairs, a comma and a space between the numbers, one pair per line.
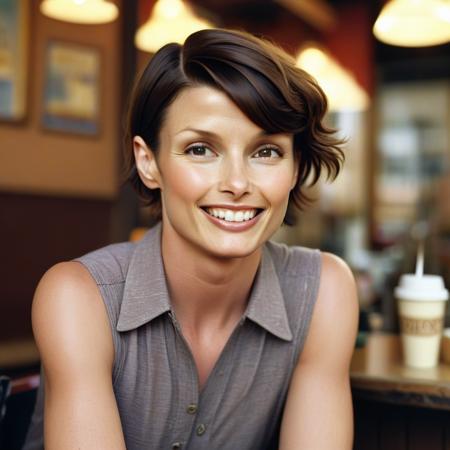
421, 307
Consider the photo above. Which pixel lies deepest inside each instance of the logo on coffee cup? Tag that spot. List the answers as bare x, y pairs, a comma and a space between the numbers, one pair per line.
421, 327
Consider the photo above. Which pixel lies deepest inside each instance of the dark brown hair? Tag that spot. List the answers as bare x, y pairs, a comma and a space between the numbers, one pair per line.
261, 79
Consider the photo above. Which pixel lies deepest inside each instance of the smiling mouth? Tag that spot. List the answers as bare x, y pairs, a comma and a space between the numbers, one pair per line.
229, 215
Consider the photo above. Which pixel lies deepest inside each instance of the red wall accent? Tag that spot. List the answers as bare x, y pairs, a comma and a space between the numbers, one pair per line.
144, 9
352, 43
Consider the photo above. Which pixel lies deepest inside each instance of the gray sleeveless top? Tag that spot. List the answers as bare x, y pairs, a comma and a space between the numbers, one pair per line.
155, 378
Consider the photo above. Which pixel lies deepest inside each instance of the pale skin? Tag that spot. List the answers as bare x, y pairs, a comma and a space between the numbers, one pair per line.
228, 160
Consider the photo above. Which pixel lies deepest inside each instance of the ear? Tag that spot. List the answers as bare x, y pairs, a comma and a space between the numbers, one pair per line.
146, 164
295, 177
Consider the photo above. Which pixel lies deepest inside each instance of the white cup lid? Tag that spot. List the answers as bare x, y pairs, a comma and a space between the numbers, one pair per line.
421, 288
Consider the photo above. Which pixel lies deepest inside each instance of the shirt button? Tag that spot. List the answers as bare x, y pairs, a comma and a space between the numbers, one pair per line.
201, 429
191, 409
176, 446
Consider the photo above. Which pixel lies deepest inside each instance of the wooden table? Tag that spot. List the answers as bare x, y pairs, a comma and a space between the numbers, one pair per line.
397, 407
377, 372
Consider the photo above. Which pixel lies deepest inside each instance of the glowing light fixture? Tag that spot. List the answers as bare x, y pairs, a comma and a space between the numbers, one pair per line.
170, 21
414, 23
341, 88
80, 11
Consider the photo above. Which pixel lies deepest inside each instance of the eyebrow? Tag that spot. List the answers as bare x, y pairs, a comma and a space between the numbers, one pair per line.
213, 135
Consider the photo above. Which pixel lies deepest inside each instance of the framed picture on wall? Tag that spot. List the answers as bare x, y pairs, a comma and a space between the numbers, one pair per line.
14, 21
71, 99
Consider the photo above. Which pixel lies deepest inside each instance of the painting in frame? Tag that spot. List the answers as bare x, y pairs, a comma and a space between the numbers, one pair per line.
71, 100
14, 28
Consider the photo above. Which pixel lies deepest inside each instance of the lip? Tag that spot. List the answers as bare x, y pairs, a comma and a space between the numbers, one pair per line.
232, 226
231, 207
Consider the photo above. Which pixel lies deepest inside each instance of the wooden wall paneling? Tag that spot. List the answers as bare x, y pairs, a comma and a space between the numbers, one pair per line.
37, 232
447, 432
366, 418
426, 429
393, 430
386, 426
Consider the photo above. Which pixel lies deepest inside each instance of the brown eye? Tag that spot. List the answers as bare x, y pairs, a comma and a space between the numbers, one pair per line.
200, 151
268, 152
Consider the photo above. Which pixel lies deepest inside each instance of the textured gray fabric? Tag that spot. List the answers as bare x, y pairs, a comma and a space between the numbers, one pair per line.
155, 378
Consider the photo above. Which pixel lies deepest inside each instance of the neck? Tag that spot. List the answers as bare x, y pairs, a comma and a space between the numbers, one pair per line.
204, 288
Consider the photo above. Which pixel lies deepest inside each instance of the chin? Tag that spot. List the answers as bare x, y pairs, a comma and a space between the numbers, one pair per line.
228, 250
231, 253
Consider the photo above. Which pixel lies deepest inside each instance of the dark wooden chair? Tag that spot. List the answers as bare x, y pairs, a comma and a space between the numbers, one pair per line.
17, 400
5, 389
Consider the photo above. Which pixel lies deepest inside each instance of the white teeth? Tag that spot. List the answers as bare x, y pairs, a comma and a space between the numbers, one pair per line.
232, 216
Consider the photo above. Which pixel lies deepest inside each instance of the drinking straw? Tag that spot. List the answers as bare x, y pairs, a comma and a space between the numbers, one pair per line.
419, 232
420, 258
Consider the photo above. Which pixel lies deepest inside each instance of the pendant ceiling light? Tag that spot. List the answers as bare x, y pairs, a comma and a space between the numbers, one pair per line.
80, 11
170, 21
342, 90
414, 23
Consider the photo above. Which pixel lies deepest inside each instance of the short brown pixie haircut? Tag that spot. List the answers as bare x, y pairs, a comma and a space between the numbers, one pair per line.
260, 78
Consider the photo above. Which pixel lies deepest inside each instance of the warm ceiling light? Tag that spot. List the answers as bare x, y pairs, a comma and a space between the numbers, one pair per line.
170, 21
80, 11
414, 23
342, 90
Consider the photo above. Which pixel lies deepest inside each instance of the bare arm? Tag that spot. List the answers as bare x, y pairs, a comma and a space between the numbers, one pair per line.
73, 335
319, 413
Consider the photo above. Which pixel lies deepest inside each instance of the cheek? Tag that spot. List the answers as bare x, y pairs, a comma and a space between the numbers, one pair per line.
186, 182
276, 184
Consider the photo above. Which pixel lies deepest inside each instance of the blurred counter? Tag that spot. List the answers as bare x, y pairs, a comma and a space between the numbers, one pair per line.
377, 373
18, 357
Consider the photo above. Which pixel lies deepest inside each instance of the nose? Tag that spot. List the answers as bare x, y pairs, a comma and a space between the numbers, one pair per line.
234, 177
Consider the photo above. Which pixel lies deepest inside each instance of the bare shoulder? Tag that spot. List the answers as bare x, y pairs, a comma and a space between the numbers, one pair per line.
334, 323
63, 277
322, 373
336, 277
69, 320
74, 338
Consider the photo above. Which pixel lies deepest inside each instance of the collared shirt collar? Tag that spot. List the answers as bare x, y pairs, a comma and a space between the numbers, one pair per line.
146, 295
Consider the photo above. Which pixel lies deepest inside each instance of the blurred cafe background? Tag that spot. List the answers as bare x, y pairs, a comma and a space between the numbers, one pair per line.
66, 70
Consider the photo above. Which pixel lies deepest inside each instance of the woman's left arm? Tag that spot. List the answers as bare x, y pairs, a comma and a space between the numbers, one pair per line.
319, 412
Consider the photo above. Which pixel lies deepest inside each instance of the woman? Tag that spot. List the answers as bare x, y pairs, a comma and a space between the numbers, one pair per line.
205, 335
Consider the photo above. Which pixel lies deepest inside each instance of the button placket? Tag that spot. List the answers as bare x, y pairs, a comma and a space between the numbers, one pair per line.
201, 429
192, 408
188, 395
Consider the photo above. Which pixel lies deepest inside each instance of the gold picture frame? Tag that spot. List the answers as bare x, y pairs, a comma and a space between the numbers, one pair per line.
14, 34
71, 101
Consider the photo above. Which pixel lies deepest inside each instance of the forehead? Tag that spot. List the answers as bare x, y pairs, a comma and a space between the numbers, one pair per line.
206, 106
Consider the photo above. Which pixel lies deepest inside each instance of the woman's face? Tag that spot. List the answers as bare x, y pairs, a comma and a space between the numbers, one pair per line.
224, 182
